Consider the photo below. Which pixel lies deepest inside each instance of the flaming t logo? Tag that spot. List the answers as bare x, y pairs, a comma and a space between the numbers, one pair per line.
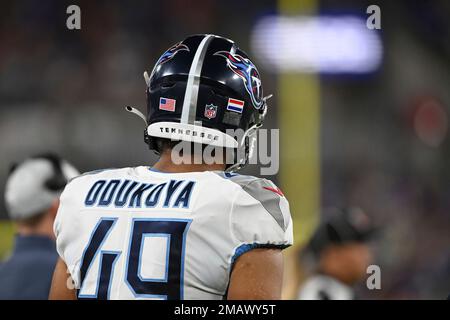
247, 71
170, 53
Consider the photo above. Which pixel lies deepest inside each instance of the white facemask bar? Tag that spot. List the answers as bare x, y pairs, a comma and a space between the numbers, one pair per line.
241, 162
147, 78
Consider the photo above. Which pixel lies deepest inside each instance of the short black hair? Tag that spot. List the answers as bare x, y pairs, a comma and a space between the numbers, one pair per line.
161, 145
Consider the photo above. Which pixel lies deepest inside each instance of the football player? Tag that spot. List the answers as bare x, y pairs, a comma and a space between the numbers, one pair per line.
338, 255
191, 230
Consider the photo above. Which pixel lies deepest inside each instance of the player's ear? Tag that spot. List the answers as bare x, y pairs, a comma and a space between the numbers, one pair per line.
53, 210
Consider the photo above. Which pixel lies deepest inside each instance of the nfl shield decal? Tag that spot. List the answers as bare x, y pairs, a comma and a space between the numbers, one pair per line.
210, 111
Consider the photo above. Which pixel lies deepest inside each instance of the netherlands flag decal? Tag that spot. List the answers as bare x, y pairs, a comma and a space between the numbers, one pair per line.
235, 105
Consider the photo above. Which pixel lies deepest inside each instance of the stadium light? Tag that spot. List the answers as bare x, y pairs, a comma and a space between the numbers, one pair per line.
325, 44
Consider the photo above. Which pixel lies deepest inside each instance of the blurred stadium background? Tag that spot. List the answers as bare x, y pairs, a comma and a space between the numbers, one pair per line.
363, 114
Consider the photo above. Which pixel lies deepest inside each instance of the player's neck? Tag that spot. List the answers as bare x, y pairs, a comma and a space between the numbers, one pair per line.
43, 229
165, 164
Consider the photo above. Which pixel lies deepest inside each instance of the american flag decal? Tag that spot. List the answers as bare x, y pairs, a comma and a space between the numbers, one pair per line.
167, 104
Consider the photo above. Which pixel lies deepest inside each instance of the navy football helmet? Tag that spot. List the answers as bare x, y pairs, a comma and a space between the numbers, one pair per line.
201, 90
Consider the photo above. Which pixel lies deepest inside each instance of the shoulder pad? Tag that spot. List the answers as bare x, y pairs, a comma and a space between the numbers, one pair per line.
265, 192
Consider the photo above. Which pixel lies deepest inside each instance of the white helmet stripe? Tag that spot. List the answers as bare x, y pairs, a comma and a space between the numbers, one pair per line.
193, 83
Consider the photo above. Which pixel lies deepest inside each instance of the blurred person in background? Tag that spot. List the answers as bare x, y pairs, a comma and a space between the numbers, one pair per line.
338, 255
32, 198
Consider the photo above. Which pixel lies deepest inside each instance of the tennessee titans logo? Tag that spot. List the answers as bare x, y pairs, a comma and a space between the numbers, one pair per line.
246, 70
170, 53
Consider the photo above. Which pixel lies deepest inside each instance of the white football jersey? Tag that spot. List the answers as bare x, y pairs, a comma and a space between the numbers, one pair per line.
136, 233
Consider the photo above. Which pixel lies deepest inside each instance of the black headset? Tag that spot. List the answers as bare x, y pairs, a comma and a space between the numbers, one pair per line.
58, 180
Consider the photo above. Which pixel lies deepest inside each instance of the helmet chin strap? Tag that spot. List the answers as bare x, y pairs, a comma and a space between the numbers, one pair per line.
136, 112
